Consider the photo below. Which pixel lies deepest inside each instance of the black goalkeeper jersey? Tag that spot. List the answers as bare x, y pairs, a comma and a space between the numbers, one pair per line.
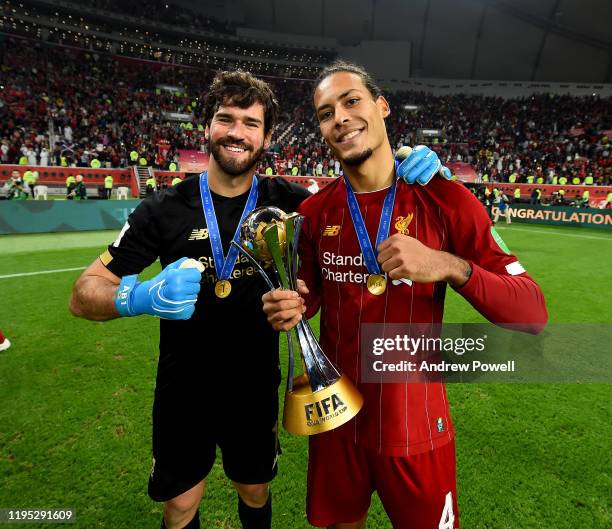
226, 341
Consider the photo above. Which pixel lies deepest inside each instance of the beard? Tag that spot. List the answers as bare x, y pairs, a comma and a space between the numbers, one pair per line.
358, 159
232, 166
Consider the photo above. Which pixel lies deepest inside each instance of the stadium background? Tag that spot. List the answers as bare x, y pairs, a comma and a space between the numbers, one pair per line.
492, 81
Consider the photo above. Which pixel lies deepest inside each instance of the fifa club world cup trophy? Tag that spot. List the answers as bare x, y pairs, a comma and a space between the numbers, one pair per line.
320, 399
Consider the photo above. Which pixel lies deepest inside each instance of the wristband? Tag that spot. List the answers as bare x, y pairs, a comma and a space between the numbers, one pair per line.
123, 296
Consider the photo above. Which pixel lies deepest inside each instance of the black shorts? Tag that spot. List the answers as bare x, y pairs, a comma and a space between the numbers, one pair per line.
188, 425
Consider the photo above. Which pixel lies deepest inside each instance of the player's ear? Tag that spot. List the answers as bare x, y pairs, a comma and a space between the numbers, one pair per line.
207, 132
268, 140
383, 106
326, 142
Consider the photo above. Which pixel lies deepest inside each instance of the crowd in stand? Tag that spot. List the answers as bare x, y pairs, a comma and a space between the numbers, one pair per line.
67, 107
160, 32
541, 135
97, 107
539, 139
166, 12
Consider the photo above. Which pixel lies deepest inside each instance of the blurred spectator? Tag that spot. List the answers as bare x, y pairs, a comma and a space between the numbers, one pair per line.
503, 209
151, 185
483, 193
30, 178
108, 186
16, 191
585, 199
70, 185
80, 189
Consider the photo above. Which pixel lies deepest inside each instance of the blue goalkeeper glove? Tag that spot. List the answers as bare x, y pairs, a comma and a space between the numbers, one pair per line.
171, 294
421, 165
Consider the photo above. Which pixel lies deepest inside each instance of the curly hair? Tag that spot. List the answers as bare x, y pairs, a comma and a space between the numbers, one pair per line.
241, 89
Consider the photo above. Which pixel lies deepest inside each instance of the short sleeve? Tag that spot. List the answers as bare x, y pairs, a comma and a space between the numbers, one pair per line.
137, 245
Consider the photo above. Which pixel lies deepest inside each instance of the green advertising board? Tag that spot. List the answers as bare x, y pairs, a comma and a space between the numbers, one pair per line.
561, 216
43, 216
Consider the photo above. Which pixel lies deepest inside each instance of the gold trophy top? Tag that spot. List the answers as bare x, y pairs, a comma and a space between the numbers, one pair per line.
254, 228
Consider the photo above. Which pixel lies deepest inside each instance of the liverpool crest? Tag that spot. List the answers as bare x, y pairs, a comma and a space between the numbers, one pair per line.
402, 223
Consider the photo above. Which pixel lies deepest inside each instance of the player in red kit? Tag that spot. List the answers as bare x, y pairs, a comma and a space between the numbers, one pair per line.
376, 250
4, 342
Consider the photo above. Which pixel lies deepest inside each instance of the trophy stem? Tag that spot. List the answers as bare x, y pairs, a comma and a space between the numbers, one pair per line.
291, 361
297, 227
266, 278
271, 236
293, 225
319, 369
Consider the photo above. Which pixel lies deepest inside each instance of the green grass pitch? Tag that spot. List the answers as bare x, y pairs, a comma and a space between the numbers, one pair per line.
75, 400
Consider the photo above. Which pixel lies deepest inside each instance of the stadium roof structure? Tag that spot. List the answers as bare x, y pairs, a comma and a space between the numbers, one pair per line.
527, 40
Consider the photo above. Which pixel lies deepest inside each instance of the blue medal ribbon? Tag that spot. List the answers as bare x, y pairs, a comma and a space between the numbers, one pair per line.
223, 266
369, 253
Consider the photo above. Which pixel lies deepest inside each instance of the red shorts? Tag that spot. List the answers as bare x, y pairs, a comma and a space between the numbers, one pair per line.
417, 492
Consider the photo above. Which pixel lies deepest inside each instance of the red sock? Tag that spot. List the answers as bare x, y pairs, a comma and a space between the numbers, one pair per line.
2, 337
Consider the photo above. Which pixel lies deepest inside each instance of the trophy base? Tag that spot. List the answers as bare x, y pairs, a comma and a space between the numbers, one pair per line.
309, 413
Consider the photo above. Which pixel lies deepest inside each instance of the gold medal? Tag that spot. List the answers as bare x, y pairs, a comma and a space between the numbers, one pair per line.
377, 284
223, 288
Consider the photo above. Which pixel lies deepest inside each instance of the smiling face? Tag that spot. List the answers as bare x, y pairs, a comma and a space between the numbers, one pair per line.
350, 119
236, 137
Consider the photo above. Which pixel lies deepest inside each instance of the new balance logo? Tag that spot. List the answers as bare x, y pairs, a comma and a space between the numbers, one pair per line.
331, 231
199, 235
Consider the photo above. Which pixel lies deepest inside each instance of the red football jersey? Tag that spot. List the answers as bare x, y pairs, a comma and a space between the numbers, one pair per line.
402, 419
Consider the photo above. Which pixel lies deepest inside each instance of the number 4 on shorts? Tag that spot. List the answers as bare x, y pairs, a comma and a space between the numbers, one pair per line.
447, 520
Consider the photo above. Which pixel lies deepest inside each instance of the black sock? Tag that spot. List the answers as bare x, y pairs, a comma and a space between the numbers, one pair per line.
193, 524
255, 518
